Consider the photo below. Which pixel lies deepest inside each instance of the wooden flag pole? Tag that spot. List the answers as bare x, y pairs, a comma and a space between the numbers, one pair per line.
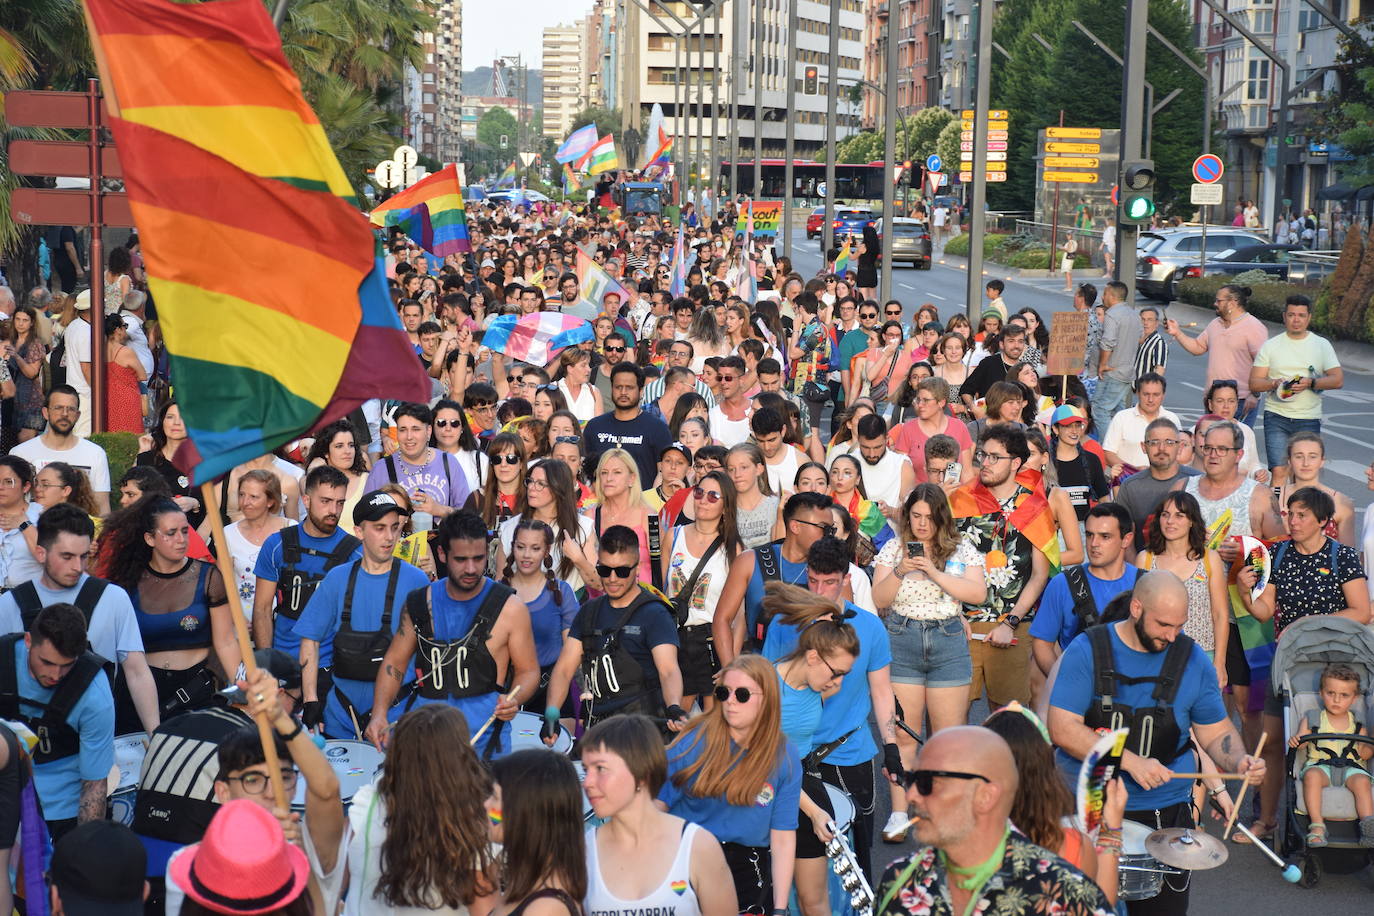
250, 666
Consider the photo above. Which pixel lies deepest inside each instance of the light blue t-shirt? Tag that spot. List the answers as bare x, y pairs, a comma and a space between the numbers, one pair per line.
849, 706
1055, 618
801, 715
441, 478
113, 632
774, 808
58, 782
323, 616
269, 566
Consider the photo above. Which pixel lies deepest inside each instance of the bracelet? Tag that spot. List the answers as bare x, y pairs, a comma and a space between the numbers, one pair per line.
288, 738
1109, 833
1213, 793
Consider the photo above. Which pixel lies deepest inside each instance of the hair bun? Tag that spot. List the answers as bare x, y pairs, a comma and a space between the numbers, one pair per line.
1246, 292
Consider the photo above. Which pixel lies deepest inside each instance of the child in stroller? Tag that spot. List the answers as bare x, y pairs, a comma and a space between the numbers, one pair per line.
1332, 762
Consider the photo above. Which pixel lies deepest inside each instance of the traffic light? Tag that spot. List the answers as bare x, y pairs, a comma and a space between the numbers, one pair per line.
1137, 191
811, 80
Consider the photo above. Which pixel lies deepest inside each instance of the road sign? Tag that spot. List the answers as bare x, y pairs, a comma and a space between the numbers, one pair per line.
527, 158
45, 207
996, 114
387, 173
1082, 148
820, 189
60, 158
992, 166
1071, 162
1208, 168
933, 163
50, 109
990, 176
992, 125
1074, 133
996, 156
1204, 194
967, 135
406, 156
966, 146
1116, 195
1072, 177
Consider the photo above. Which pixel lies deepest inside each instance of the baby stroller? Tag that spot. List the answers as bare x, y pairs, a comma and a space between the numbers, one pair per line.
1307, 647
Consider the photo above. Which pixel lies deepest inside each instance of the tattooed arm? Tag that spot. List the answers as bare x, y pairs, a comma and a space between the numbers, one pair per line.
92, 804
1223, 744
394, 664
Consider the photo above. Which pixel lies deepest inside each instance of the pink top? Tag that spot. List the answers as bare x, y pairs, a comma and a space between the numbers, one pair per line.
1231, 351
912, 440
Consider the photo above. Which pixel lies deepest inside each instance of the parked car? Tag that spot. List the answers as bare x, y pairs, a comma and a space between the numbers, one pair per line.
1272, 259
813, 223
910, 241
1162, 253
851, 221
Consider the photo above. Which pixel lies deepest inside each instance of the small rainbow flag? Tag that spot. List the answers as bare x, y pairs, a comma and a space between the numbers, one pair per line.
842, 259
1100, 767
431, 212
678, 286
507, 179
271, 295
570, 180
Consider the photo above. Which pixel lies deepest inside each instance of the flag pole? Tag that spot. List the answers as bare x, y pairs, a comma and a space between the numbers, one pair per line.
225, 563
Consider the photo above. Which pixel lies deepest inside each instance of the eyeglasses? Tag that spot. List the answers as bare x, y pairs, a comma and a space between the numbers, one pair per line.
726, 378
508, 458
1156, 443
485, 405
984, 456
1218, 449
710, 496
536, 483
742, 694
515, 380
927, 400
826, 530
8, 482
445, 424
924, 780
615, 349
868, 315
621, 572
837, 675
893, 313
567, 440
257, 783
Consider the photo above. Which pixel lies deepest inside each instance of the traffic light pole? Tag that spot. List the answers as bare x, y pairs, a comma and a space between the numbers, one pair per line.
757, 69
978, 207
790, 148
889, 152
832, 95
1132, 118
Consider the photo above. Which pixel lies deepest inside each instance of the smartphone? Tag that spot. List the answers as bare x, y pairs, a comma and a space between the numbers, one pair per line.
915, 549
953, 472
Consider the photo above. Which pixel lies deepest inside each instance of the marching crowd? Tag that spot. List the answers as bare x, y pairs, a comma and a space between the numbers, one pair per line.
750, 553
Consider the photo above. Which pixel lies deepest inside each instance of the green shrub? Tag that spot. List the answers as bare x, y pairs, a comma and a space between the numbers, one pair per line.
1266, 302
1038, 258
959, 245
121, 449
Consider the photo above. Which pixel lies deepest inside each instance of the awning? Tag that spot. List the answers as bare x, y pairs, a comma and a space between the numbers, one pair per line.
1338, 191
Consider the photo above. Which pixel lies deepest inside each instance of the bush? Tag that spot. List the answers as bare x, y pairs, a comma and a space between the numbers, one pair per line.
1266, 300
959, 245
1038, 258
121, 449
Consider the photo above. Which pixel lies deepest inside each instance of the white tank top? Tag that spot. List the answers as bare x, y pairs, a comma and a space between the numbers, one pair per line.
705, 596
1238, 502
583, 406
674, 896
783, 475
883, 481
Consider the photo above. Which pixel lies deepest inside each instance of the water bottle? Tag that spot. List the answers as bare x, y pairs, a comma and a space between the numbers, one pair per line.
421, 521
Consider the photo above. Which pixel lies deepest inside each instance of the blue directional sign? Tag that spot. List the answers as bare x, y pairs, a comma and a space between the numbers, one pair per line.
933, 163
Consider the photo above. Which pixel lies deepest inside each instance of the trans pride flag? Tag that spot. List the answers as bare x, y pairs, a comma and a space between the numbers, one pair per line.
431, 212
536, 338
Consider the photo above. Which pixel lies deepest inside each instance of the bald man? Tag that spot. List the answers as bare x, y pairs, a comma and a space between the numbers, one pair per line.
1129, 661
962, 795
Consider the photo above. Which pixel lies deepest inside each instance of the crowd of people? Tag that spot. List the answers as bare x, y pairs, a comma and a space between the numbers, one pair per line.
654, 627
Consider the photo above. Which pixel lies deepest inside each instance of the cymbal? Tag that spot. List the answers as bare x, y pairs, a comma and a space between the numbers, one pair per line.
1184, 847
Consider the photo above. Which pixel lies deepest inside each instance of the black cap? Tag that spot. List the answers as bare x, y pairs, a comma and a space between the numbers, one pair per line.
283, 667
375, 506
98, 869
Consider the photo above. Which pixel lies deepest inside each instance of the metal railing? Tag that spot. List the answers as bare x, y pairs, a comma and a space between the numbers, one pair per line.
1311, 266
1043, 232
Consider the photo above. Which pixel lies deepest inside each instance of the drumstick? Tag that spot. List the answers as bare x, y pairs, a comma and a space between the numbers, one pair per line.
487, 724
1208, 776
1231, 821
354, 716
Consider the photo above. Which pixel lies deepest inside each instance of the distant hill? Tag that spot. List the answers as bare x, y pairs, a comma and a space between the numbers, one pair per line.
478, 82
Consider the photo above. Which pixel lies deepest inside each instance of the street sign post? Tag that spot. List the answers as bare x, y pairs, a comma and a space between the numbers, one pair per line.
1207, 195
1208, 169
934, 163
387, 173
1073, 133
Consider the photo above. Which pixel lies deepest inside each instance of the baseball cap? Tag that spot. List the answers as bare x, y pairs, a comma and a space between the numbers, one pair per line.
98, 869
488, 263
375, 506
1067, 413
677, 447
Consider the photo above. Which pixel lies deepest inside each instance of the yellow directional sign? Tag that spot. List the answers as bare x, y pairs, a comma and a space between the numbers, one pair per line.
1071, 177
996, 114
1071, 162
1074, 133
1084, 148
967, 164
1002, 124
967, 176
967, 135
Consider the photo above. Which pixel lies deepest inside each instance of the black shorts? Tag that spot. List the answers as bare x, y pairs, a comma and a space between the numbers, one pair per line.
809, 846
1237, 668
696, 658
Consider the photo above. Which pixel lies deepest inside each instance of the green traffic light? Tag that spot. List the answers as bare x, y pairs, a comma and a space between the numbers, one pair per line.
1139, 208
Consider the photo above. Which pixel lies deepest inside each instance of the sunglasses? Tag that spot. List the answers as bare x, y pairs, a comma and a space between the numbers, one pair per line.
515, 380
827, 530
924, 780
445, 424
896, 313
742, 694
710, 496
570, 440
621, 572
507, 458
615, 349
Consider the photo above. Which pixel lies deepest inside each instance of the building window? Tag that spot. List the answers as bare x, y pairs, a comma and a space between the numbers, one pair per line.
1257, 81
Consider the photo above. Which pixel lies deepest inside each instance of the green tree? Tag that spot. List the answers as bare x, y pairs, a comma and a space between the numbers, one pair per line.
494, 124
607, 121
919, 134
947, 146
866, 146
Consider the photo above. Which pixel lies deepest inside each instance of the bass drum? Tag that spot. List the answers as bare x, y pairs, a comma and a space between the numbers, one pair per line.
356, 763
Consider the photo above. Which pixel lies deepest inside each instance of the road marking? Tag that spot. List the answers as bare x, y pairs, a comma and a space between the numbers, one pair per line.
1346, 468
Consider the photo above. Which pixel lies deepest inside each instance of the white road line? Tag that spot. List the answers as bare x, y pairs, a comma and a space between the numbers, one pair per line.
1352, 470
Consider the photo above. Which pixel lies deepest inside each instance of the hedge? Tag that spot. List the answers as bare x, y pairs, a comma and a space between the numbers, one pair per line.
121, 449
1007, 251
1266, 299
959, 244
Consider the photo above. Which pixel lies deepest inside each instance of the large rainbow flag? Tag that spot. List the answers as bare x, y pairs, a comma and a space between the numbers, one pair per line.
431, 212
271, 295
507, 179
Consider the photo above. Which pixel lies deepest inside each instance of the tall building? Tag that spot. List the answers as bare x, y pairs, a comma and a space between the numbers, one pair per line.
918, 57
420, 99
564, 84
721, 69
448, 51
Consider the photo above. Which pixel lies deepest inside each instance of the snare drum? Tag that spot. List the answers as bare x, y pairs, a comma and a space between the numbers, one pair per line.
1141, 876
356, 763
524, 734
129, 753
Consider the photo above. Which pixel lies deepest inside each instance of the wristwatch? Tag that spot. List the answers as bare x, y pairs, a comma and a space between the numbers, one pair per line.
1012, 620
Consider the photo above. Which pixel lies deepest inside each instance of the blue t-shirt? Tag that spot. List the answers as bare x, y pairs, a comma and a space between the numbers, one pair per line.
441, 478
113, 631
269, 567
549, 618
58, 782
801, 715
1055, 619
1198, 700
789, 572
452, 620
774, 808
850, 705
323, 616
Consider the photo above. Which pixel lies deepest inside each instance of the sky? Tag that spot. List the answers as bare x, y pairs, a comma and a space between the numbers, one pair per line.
490, 29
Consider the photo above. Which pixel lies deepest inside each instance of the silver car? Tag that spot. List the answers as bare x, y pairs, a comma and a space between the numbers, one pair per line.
910, 241
1161, 254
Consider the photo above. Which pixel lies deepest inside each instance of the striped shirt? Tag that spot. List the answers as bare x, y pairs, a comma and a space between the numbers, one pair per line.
1153, 351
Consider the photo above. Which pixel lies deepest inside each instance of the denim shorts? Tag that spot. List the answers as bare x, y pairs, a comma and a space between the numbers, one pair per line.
1278, 430
930, 653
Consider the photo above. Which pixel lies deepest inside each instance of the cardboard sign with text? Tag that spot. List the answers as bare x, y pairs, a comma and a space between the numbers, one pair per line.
767, 218
1068, 340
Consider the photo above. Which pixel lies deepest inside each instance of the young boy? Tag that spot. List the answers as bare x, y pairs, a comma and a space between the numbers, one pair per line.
942, 453
1337, 763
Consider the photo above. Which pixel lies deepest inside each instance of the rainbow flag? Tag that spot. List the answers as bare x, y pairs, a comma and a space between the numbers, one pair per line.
577, 145
507, 179
431, 212
594, 283
678, 286
570, 180
1032, 516
602, 157
269, 286
842, 259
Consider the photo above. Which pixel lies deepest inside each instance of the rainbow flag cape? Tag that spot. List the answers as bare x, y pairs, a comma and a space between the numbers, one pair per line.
538, 337
678, 286
602, 157
431, 212
842, 259
577, 145
570, 180
507, 179
269, 286
1032, 516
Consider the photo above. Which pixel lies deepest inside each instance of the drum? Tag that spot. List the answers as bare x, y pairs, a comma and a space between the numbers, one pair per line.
524, 734
1141, 876
129, 752
843, 807
356, 763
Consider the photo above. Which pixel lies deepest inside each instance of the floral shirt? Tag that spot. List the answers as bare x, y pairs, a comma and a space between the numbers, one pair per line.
814, 363
1030, 881
991, 534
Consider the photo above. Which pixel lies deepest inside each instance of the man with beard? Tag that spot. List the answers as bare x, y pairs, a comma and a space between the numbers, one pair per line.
627, 426
467, 637
730, 418
969, 860
1231, 341
59, 442
888, 474
294, 560
994, 368
1145, 671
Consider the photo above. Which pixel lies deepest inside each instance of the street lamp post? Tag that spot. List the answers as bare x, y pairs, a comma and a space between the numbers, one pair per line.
832, 96
889, 146
790, 143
